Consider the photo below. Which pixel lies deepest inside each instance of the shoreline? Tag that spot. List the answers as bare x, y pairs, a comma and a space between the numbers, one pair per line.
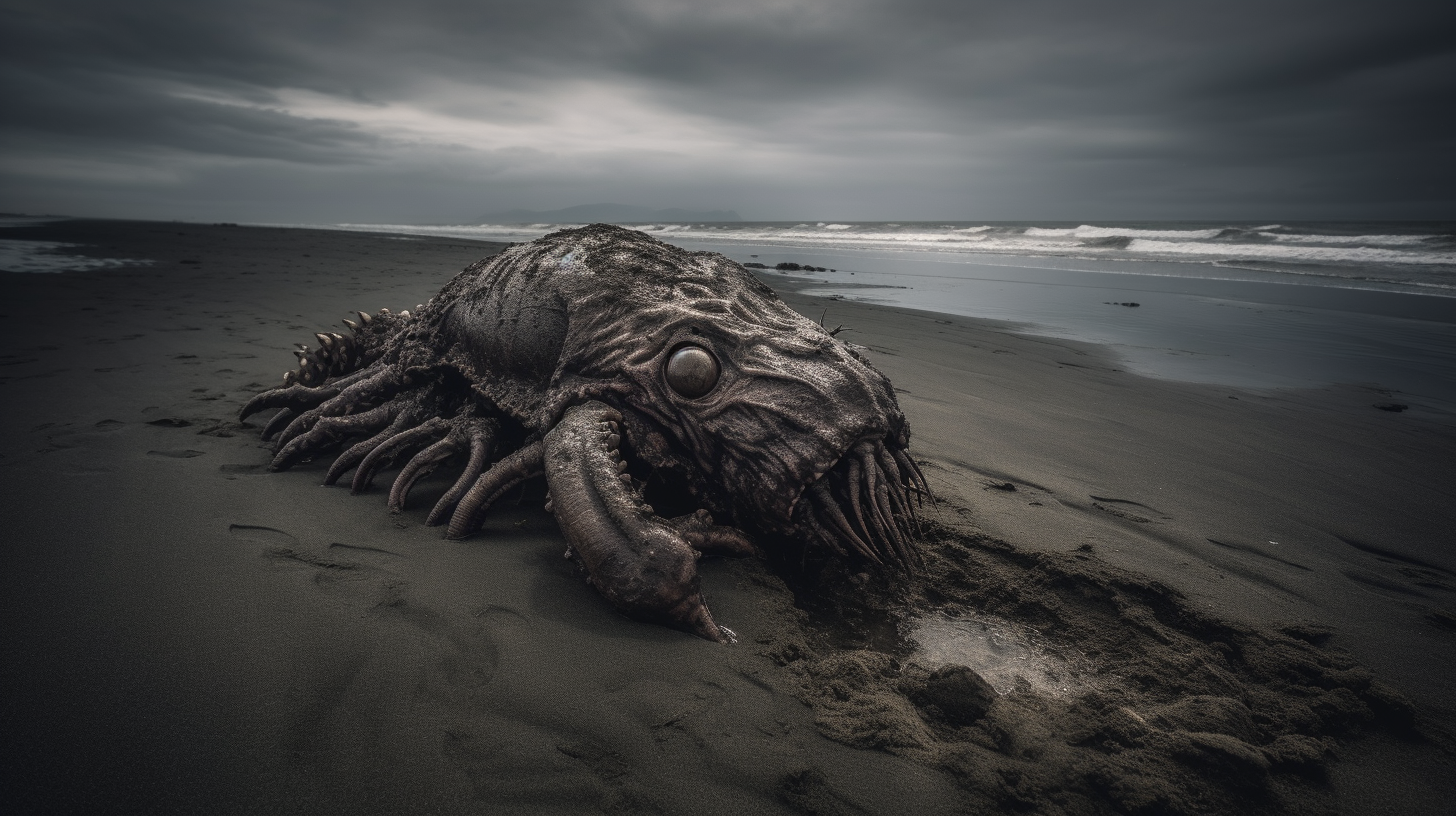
177, 613
1272, 332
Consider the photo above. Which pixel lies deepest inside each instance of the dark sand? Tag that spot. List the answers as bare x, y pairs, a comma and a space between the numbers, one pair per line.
1253, 592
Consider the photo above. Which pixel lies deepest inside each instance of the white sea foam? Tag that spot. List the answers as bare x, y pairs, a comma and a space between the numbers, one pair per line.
1351, 240
1413, 254
47, 256
1298, 253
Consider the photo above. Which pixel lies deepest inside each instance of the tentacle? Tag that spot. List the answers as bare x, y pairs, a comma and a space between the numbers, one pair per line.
468, 432
699, 531
853, 478
279, 421
897, 478
913, 470
822, 534
422, 465
883, 516
298, 398
331, 428
635, 559
358, 452
826, 509
378, 387
401, 442
481, 448
355, 453
524, 464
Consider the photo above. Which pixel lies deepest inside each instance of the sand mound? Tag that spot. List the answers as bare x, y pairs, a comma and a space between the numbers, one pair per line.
1167, 709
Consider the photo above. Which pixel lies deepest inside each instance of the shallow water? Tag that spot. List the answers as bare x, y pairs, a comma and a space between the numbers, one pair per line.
1242, 305
52, 256
1008, 656
1249, 329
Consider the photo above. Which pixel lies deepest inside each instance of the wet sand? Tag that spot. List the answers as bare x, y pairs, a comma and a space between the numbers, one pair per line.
1248, 595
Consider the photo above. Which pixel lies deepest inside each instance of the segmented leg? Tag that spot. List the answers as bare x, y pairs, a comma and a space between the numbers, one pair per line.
481, 449
524, 464
699, 531
294, 399
357, 453
297, 398
279, 421
913, 471
401, 442
472, 433
381, 386
826, 510
330, 429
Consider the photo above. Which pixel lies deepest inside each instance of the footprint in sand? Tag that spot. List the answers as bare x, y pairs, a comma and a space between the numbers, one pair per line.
266, 535
170, 422
1412, 578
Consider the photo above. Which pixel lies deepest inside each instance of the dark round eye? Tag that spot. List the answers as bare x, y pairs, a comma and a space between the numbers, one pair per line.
692, 371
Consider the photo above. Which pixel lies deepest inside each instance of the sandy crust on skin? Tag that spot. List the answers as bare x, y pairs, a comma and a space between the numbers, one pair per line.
1251, 592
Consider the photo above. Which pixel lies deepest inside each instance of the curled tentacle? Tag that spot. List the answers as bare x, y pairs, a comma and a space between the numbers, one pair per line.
279, 421
358, 452
636, 560
481, 448
297, 398
399, 443
524, 464
422, 465
376, 388
699, 531
330, 429
468, 433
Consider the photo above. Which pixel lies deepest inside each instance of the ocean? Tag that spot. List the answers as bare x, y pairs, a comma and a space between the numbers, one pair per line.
1247, 305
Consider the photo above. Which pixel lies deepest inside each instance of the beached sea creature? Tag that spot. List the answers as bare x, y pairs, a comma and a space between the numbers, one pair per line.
621, 368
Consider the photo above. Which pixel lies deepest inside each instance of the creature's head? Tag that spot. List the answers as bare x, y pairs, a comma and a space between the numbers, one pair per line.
758, 411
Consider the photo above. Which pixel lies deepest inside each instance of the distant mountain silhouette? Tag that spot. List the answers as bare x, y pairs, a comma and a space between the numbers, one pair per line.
591, 213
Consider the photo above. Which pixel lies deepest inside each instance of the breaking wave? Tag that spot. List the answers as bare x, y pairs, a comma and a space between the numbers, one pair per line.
1418, 254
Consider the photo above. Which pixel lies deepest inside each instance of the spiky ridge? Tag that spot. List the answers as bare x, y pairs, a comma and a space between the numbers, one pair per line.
339, 354
881, 488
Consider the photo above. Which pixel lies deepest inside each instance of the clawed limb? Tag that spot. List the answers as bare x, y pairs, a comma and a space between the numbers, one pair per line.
640, 562
644, 564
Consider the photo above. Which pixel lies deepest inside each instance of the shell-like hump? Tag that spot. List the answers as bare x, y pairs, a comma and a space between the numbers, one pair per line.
594, 312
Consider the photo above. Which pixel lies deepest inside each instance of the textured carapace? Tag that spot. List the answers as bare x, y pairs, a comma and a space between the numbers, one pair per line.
608, 361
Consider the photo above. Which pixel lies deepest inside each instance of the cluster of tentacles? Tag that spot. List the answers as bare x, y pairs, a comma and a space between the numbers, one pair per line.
340, 393
882, 488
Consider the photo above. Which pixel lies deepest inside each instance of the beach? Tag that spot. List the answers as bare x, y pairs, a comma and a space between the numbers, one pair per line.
187, 632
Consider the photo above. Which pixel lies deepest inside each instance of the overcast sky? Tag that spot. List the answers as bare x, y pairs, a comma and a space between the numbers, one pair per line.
438, 111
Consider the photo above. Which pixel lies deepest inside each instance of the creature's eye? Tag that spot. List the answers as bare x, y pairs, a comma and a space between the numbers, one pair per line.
692, 371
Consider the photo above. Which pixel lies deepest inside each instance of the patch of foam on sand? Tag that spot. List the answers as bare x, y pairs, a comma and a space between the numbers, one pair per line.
1009, 656
48, 256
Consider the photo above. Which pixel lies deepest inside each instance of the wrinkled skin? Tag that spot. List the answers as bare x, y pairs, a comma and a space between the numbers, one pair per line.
609, 362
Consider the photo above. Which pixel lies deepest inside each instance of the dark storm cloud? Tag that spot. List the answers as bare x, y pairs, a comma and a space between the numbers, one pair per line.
779, 108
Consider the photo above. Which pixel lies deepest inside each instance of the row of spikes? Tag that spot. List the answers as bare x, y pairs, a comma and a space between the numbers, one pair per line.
865, 505
337, 354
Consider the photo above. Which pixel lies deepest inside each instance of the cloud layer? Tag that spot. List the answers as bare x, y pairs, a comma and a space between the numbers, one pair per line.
780, 109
